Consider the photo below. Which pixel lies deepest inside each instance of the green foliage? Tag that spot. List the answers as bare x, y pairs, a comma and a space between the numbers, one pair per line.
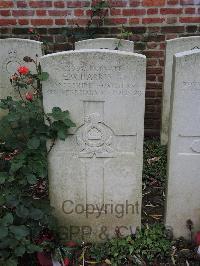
155, 160
148, 244
25, 211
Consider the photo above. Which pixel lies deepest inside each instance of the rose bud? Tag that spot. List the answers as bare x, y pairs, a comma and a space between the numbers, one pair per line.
31, 30
29, 81
27, 59
29, 96
197, 238
23, 70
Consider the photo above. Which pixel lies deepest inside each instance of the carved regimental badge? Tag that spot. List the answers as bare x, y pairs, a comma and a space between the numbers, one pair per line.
95, 138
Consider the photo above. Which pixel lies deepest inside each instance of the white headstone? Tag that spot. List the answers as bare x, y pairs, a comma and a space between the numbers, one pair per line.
172, 47
100, 163
12, 52
183, 197
106, 43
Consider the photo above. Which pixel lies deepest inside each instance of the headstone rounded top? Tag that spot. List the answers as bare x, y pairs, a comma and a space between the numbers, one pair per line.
106, 43
183, 39
20, 40
94, 51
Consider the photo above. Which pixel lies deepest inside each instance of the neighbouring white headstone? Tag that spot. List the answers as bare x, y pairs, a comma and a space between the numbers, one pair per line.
183, 197
172, 47
12, 52
96, 174
106, 43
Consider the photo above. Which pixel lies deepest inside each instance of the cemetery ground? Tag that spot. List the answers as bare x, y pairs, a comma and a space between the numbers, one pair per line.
154, 245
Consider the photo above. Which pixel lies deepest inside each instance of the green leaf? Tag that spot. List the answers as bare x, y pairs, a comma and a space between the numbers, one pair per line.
11, 262
43, 76
7, 219
36, 214
33, 143
22, 211
68, 122
57, 113
3, 176
32, 179
19, 251
3, 231
20, 231
62, 134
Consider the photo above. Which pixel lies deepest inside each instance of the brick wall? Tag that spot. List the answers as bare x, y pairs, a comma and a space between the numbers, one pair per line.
151, 22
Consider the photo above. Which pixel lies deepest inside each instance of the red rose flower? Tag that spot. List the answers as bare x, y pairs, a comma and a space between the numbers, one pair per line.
31, 30
29, 96
23, 70
66, 262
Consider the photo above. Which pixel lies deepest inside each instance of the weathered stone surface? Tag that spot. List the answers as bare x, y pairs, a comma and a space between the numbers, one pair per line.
172, 47
183, 197
106, 43
12, 52
100, 163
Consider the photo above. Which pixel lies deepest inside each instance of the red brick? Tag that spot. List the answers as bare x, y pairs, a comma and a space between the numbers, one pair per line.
59, 4
171, 20
162, 46
59, 13
78, 12
133, 12
152, 62
151, 77
75, 4
42, 22
171, 36
134, 20
153, 29
190, 10
152, 11
6, 4
154, 54
152, 20
116, 20
116, 3
172, 29
166, 11
80, 21
5, 13
161, 62
190, 20
23, 22
172, 2
89, 13
20, 13
160, 78
115, 12
190, 2
134, 3
41, 13
39, 4
150, 94
152, 45
154, 70
7, 22
153, 2
60, 21
21, 4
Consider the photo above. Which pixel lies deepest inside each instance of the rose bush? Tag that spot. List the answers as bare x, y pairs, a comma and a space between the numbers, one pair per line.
25, 213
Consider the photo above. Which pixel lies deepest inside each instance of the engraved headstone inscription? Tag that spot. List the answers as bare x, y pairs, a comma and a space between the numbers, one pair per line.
96, 173
183, 197
172, 47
